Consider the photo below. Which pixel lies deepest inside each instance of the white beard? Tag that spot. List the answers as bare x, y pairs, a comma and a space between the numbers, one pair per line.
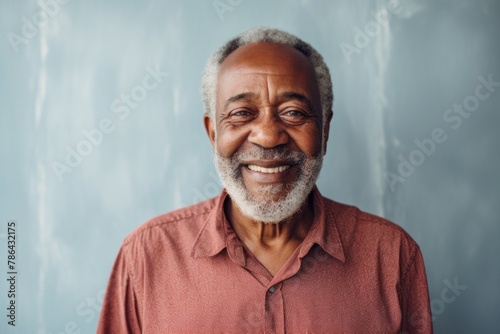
262, 208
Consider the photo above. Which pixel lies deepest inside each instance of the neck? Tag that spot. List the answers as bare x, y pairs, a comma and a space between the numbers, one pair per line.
271, 243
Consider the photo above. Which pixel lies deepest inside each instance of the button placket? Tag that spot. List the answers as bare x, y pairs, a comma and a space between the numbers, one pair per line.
275, 319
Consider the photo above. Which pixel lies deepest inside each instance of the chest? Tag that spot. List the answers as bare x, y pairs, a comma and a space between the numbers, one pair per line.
322, 296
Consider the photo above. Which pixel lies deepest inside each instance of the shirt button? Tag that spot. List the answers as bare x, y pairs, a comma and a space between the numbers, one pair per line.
272, 289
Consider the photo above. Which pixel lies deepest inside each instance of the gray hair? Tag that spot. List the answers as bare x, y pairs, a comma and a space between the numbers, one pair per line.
210, 76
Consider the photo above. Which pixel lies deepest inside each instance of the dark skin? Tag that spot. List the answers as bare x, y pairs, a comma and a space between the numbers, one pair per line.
267, 96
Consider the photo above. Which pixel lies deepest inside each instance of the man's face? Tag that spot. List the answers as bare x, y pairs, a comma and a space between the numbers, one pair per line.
268, 130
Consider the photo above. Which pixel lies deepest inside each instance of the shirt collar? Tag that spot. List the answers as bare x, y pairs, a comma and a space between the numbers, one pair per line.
217, 234
212, 237
324, 231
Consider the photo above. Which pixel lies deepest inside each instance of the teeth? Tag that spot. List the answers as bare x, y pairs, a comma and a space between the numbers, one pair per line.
278, 169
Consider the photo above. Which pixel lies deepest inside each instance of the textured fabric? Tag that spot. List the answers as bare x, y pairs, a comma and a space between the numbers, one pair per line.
187, 272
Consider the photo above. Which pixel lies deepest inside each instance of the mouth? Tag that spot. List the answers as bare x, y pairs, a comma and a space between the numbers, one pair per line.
268, 170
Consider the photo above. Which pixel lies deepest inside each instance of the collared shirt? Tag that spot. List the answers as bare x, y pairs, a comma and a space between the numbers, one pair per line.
187, 272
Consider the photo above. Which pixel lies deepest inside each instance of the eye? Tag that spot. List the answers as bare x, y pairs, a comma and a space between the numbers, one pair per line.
240, 116
293, 115
240, 113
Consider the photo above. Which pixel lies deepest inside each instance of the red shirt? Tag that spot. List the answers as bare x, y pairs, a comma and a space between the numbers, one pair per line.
187, 272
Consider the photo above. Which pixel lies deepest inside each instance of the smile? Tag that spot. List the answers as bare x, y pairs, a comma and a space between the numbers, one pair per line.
272, 170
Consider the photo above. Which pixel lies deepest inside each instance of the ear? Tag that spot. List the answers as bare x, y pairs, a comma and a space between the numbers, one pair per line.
209, 127
327, 129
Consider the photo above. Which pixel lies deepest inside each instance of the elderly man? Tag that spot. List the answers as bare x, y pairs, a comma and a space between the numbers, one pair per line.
270, 254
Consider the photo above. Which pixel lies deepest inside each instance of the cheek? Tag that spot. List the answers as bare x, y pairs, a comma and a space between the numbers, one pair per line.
311, 148
309, 141
229, 141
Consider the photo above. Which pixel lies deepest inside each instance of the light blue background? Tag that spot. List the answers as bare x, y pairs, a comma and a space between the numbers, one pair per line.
393, 91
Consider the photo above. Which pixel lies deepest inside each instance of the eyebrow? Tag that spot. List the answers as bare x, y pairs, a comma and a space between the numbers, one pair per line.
239, 97
282, 96
297, 96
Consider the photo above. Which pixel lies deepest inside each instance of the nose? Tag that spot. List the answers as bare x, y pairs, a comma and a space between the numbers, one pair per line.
268, 131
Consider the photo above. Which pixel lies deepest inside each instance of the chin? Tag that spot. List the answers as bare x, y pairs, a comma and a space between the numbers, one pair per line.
268, 203
273, 204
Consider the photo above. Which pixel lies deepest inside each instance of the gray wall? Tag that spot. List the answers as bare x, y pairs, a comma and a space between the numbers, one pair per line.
394, 85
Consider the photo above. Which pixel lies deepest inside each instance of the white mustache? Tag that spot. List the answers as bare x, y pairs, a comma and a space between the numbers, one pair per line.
259, 153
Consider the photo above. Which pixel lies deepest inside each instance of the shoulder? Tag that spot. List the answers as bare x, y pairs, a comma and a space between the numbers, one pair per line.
181, 224
350, 218
370, 235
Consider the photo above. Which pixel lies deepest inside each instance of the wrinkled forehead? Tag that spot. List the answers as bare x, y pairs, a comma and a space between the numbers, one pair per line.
269, 56
269, 59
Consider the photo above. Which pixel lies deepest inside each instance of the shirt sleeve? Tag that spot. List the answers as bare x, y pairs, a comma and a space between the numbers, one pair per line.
119, 312
415, 305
